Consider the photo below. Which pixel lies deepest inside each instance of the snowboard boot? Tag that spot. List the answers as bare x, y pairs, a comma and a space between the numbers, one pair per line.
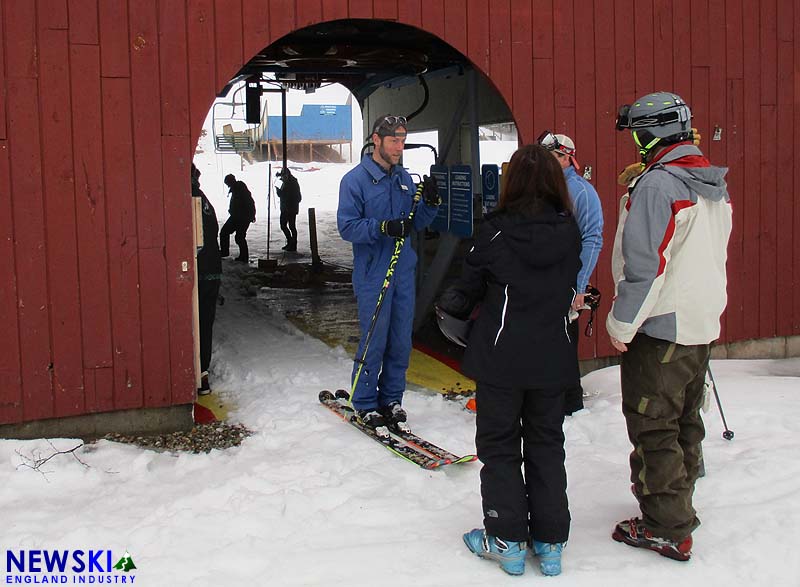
510, 555
374, 420
634, 533
549, 556
395, 416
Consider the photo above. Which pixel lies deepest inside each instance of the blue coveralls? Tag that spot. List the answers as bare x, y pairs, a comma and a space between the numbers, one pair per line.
368, 196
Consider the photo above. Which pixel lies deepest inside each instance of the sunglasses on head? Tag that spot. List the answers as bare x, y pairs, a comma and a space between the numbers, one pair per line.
388, 124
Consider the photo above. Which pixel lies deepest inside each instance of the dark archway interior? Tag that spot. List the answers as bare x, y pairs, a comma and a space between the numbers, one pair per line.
360, 54
366, 56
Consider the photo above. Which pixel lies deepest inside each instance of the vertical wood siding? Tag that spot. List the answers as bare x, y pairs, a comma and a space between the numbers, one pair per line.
102, 102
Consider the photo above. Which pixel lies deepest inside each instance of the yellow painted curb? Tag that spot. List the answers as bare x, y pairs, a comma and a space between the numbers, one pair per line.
213, 402
428, 372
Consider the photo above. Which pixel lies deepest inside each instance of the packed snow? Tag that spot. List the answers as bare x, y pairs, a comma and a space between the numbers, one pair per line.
307, 500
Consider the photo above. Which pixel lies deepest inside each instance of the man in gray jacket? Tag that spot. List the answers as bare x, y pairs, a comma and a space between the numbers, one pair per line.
669, 269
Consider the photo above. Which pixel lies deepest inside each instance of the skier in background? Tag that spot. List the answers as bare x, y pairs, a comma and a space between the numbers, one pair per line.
375, 200
290, 196
209, 274
589, 216
242, 211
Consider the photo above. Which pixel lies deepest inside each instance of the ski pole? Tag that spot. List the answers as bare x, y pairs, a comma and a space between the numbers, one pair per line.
728, 434
398, 248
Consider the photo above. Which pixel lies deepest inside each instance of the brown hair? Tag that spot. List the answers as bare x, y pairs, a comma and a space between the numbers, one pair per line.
534, 179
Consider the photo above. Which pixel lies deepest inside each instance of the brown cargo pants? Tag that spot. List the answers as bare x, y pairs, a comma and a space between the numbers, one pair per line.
662, 391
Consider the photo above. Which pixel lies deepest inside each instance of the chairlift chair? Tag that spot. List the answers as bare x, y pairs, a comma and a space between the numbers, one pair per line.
227, 137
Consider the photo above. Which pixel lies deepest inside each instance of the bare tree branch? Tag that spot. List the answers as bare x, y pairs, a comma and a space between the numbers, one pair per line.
36, 460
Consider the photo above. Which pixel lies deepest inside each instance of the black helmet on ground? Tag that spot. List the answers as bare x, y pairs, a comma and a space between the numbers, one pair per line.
454, 329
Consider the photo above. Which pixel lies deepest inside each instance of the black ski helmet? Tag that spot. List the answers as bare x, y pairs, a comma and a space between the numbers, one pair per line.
454, 329
660, 117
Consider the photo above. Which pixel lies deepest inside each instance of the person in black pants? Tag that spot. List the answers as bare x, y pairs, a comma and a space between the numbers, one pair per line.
209, 274
290, 196
522, 270
242, 210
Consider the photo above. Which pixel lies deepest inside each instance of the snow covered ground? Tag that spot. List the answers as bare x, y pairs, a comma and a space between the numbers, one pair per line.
307, 500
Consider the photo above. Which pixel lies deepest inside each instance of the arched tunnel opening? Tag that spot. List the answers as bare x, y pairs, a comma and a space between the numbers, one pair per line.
327, 83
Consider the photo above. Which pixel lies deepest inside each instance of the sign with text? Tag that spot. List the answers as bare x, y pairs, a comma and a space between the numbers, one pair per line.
441, 222
490, 178
461, 200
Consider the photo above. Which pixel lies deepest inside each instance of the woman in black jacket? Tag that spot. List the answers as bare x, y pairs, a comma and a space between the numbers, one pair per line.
522, 270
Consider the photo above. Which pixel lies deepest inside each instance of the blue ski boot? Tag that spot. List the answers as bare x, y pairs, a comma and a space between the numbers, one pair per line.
510, 555
549, 556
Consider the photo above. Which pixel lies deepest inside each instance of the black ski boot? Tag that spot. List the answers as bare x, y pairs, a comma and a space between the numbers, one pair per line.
374, 420
395, 416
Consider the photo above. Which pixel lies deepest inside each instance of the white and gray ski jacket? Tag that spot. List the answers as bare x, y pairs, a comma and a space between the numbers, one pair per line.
670, 251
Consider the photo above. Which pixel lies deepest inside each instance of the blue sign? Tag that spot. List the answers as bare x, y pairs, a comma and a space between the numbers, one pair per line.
490, 178
441, 222
461, 200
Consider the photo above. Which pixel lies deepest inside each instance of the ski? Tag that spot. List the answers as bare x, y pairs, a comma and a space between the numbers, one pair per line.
437, 451
445, 456
390, 442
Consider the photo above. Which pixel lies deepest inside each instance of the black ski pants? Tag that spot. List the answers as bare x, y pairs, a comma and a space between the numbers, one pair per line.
522, 429
289, 227
240, 228
573, 400
207, 294
662, 391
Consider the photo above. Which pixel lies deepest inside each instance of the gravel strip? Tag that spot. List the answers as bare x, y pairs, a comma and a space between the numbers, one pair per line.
200, 439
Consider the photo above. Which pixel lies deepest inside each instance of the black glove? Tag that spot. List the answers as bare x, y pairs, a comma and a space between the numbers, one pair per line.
430, 191
399, 227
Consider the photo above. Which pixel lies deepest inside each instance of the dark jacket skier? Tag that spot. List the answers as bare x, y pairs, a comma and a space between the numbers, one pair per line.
242, 211
522, 270
209, 274
290, 196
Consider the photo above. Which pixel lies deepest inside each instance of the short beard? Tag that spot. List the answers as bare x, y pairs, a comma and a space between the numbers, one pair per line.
384, 155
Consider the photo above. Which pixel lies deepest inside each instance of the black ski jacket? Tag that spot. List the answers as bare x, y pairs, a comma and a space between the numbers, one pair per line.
242, 207
522, 271
209, 262
290, 196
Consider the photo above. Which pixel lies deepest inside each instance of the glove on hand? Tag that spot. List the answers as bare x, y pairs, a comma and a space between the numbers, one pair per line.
695, 137
430, 191
398, 228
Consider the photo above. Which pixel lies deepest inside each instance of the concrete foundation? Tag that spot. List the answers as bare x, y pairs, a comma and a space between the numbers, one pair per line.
781, 347
129, 422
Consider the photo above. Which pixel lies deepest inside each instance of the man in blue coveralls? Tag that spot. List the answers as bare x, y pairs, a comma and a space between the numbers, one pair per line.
375, 200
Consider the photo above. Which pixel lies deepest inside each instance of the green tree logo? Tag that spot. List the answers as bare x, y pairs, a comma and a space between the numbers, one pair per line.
125, 563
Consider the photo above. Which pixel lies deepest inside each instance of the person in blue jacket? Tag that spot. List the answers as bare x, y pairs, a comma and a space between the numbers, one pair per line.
589, 215
375, 201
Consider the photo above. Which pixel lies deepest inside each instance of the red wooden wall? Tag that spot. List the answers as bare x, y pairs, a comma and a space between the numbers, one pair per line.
102, 102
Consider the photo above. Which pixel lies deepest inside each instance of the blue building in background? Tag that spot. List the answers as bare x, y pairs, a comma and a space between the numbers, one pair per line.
319, 125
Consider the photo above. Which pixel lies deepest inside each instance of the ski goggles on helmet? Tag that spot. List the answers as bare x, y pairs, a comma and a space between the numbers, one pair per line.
626, 120
387, 126
550, 141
